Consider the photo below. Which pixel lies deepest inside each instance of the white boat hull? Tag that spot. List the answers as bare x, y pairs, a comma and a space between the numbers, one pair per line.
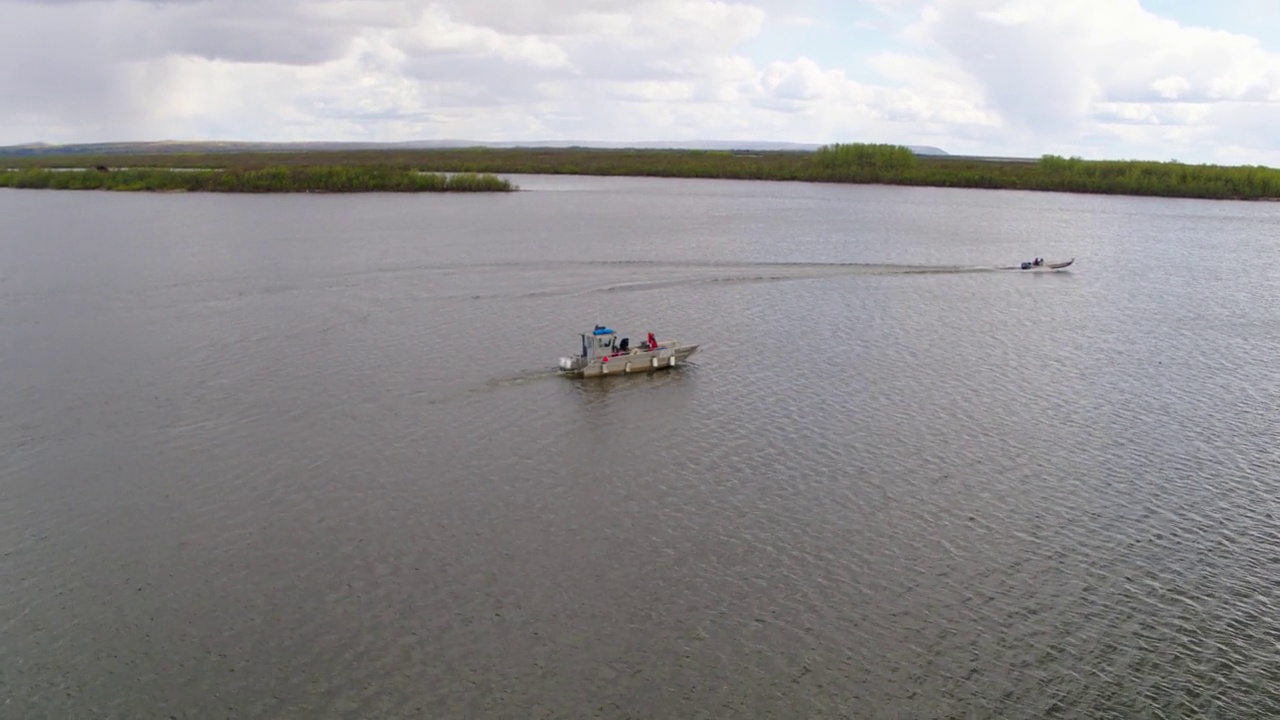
1047, 266
630, 363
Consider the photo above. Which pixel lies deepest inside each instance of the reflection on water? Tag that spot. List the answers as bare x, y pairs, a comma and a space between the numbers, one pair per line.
311, 456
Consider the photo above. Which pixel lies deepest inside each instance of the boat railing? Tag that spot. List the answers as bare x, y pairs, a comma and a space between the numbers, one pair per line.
663, 350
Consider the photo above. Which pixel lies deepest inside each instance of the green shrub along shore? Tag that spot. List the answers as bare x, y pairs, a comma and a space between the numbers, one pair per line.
401, 170
327, 179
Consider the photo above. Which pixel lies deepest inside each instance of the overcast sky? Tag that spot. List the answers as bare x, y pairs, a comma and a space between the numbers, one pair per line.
1195, 80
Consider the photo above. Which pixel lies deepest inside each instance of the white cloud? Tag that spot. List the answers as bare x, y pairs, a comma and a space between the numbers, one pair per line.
1171, 87
1056, 72
1101, 77
800, 80
436, 34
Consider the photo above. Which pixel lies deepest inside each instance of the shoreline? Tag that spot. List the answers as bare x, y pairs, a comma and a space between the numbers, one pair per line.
332, 179
478, 168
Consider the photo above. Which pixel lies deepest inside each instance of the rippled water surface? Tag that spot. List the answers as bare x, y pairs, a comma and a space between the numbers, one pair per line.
305, 456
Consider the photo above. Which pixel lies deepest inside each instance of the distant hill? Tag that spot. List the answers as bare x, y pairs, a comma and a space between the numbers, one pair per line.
177, 146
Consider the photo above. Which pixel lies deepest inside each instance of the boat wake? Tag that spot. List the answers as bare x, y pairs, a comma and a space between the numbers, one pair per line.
522, 378
784, 269
477, 386
533, 280
572, 279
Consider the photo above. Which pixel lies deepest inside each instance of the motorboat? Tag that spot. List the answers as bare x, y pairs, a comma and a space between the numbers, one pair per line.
603, 353
1041, 264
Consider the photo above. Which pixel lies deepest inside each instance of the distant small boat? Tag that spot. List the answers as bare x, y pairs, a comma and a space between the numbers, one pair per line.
603, 354
1040, 264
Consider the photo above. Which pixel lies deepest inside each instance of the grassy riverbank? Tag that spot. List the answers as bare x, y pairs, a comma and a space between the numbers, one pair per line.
396, 169
327, 179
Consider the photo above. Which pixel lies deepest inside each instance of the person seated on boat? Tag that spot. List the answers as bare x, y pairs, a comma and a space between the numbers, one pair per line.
1038, 262
625, 346
653, 344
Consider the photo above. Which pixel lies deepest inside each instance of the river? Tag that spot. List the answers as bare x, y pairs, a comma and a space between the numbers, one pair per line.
306, 456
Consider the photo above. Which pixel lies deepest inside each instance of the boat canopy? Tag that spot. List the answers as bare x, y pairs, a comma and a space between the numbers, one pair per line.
602, 330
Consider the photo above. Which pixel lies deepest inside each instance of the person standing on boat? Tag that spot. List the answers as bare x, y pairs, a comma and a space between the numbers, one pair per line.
653, 344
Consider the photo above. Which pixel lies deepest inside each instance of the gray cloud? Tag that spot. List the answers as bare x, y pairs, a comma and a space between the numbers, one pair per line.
254, 39
277, 31
51, 80
293, 32
490, 81
502, 46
